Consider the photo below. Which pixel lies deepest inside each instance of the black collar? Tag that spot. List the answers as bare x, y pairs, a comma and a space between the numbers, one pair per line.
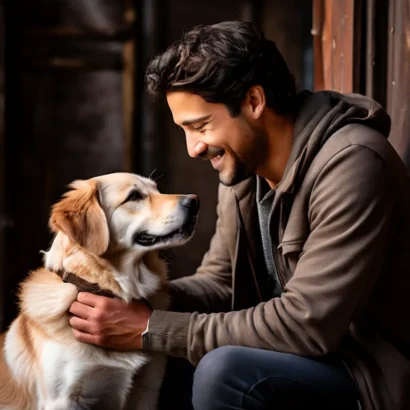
82, 285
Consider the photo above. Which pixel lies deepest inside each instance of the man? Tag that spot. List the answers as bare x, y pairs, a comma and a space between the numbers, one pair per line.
302, 298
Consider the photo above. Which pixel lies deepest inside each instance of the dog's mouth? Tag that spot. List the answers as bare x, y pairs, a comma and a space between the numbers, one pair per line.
184, 232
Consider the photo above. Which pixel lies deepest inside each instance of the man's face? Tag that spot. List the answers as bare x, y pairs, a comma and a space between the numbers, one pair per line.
234, 146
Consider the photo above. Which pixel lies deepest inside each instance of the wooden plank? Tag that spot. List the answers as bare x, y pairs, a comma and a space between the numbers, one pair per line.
327, 41
3, 220
338, 45
317, 33
398, 84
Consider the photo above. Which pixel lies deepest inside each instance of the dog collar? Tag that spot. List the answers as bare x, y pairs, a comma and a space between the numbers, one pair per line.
82, 285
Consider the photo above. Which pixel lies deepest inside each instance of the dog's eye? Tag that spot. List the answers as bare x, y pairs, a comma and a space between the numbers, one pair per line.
134, 196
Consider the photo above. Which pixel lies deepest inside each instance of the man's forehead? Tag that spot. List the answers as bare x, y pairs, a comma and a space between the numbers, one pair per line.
188, 107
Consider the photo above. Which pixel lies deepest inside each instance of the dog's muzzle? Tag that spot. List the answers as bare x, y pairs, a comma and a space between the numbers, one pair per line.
190, 205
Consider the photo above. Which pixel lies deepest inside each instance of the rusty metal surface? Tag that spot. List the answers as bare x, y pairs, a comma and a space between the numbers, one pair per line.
398, 83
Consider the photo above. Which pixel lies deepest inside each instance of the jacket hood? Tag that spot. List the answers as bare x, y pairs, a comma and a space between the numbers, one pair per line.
320, 115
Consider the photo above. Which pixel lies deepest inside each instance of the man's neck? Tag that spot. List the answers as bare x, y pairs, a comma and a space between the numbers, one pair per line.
279, 130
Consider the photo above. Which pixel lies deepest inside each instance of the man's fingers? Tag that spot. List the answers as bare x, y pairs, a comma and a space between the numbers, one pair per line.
80, 310
88, 299
80, 324
86, 337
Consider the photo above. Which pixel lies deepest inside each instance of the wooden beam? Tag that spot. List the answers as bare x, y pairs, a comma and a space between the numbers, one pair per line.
317, 33
398, 78
3, 219
339, 57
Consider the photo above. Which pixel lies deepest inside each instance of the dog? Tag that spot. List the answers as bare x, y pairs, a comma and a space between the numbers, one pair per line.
107, 233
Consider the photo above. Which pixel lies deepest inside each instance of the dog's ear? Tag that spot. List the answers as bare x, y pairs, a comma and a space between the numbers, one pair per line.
80, 216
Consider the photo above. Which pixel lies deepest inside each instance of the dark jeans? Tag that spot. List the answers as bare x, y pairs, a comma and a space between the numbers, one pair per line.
233, 378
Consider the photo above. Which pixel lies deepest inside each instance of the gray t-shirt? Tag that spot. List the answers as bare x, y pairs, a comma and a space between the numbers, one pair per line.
264, 200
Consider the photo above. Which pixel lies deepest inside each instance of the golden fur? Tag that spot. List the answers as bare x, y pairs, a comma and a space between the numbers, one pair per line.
96, 237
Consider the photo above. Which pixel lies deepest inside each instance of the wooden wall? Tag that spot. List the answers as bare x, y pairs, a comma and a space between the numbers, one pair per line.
336, 31
364, 46
398, 76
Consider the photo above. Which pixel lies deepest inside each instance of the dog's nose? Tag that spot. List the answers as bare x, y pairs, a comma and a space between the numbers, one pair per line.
191, 202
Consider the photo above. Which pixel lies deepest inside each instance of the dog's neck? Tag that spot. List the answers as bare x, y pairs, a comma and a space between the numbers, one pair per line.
128, 274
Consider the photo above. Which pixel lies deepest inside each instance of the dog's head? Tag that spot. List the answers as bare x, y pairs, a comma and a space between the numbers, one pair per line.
124, 210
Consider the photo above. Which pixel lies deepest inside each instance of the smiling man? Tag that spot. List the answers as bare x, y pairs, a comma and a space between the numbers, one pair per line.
302, 298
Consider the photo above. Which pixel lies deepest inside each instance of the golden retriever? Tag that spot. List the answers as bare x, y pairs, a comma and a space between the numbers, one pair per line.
107, 233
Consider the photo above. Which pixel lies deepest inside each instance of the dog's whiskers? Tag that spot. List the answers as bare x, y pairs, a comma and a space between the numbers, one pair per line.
152, 173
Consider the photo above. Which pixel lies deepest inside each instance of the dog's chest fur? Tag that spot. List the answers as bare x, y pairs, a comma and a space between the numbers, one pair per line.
65, 374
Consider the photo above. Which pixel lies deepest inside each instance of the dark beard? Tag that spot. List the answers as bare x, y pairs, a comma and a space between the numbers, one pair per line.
240, 172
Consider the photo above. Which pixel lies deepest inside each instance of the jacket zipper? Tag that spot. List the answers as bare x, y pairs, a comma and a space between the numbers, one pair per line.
254, 274
275, 264
241, 224
274, 251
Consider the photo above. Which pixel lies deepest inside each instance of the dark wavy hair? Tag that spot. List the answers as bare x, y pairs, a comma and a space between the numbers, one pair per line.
220, 63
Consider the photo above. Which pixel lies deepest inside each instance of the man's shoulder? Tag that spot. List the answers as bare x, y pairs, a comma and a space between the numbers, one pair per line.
357, 137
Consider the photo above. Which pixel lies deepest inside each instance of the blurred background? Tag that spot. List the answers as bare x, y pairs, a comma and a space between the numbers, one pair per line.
73, 104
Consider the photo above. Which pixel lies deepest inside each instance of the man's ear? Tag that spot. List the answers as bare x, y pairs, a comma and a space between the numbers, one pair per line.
80, 216
255, 101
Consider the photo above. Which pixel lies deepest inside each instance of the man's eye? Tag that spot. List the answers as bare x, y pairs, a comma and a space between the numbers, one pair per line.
200, 128
134, 196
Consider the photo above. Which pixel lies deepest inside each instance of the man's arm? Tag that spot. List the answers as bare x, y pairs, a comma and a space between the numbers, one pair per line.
350, 226
210, 288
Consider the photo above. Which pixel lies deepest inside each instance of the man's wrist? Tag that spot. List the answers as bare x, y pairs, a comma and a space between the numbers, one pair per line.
167, 333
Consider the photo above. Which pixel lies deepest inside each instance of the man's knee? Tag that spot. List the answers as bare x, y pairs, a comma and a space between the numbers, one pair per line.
219, 363
213, 375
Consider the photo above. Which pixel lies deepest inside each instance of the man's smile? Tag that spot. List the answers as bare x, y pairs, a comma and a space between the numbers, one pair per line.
217, 160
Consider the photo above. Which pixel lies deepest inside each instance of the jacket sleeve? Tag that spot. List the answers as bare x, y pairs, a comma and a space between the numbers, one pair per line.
210, 288
351, 218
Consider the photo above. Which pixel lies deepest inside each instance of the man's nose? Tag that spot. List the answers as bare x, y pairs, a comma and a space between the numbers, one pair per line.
194, 147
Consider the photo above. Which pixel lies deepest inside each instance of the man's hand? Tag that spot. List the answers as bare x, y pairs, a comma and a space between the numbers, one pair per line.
109, 323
